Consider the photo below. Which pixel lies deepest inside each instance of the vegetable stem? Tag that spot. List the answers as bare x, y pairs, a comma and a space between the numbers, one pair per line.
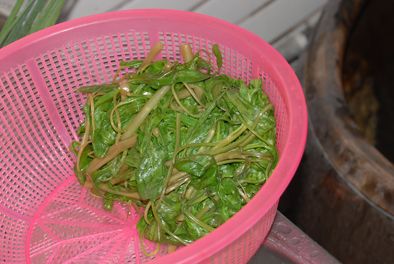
187, 53
91, 103
174, 178
133, 195
155, 50
146, 211
235, 134
177, 141
146, 109
113, 151
145, 252
198, 221
193, 94
180, 103
177, 184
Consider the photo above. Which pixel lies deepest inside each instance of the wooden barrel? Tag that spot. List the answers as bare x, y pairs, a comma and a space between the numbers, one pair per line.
343, 193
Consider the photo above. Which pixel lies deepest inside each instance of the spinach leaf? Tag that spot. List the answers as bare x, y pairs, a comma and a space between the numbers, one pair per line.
151, 173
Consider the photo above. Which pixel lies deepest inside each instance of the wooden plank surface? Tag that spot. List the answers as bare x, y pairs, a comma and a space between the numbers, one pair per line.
233, 11
281, 22
270, 19
280, 16
80, 8
171, 4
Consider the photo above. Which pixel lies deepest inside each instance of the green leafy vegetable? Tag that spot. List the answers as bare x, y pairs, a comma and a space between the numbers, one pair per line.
218, 55
189, 146
151, 173
29, 16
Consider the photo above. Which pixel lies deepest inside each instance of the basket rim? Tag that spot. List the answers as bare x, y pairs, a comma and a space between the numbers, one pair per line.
290, 157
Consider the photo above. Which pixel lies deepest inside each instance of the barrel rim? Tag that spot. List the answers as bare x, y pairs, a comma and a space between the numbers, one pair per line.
369, 173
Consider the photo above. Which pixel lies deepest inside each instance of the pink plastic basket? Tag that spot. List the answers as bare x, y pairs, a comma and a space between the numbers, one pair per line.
45, 216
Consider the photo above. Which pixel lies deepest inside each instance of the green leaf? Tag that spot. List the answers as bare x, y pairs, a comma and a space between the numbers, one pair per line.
202, 168
231, 201
204, 123
11, 21
133, 158
218, 55
23, 25
36, 15
186, 75
151, 173
81, 177
130, 64
170, 209
108, 171
85, 158
194, 231
195, 166
150, 231
108, 201
48, 15
156, 67
103, 135
102, 88
22, 22
131, 106
209, 179
189, 76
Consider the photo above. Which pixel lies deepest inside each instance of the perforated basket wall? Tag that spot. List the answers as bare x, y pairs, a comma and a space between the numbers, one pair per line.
45, 216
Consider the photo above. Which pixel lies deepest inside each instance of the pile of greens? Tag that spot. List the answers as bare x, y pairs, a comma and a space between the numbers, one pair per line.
189, 145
